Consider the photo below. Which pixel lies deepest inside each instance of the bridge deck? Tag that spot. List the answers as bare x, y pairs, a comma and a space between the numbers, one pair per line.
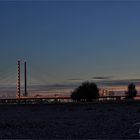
33, 100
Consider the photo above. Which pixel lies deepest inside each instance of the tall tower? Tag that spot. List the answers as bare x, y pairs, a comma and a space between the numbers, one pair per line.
25, 79
18, 79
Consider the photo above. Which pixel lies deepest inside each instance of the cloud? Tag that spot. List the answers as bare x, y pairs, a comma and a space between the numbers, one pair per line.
102, 77
121, 82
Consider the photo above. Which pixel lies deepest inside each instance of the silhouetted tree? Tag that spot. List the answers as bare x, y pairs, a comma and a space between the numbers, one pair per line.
85, 92
132, 92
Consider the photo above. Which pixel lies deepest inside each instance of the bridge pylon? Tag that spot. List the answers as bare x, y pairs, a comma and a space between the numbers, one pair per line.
19, 80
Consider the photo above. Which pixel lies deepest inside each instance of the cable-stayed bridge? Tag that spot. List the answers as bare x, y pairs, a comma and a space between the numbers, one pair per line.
36, 83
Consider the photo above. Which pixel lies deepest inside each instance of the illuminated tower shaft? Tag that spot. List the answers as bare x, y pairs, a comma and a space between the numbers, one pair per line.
18, 79
25, 79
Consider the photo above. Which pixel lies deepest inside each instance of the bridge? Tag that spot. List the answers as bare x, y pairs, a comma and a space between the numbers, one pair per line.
29, 84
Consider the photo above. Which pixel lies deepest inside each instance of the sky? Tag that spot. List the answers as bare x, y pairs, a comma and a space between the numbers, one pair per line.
67, 42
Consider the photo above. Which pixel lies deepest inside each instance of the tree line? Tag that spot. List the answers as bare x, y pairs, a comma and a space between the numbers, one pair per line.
88, 91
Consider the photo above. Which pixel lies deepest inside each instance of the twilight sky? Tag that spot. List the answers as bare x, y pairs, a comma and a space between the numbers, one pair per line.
68, 42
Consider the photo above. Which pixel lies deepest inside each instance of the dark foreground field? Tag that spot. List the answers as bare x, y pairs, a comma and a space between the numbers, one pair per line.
70, 121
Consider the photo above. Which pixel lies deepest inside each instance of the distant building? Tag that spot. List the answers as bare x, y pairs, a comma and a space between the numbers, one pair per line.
105, 92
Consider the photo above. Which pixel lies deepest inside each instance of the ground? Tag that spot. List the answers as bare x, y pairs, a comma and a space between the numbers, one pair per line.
70, 121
